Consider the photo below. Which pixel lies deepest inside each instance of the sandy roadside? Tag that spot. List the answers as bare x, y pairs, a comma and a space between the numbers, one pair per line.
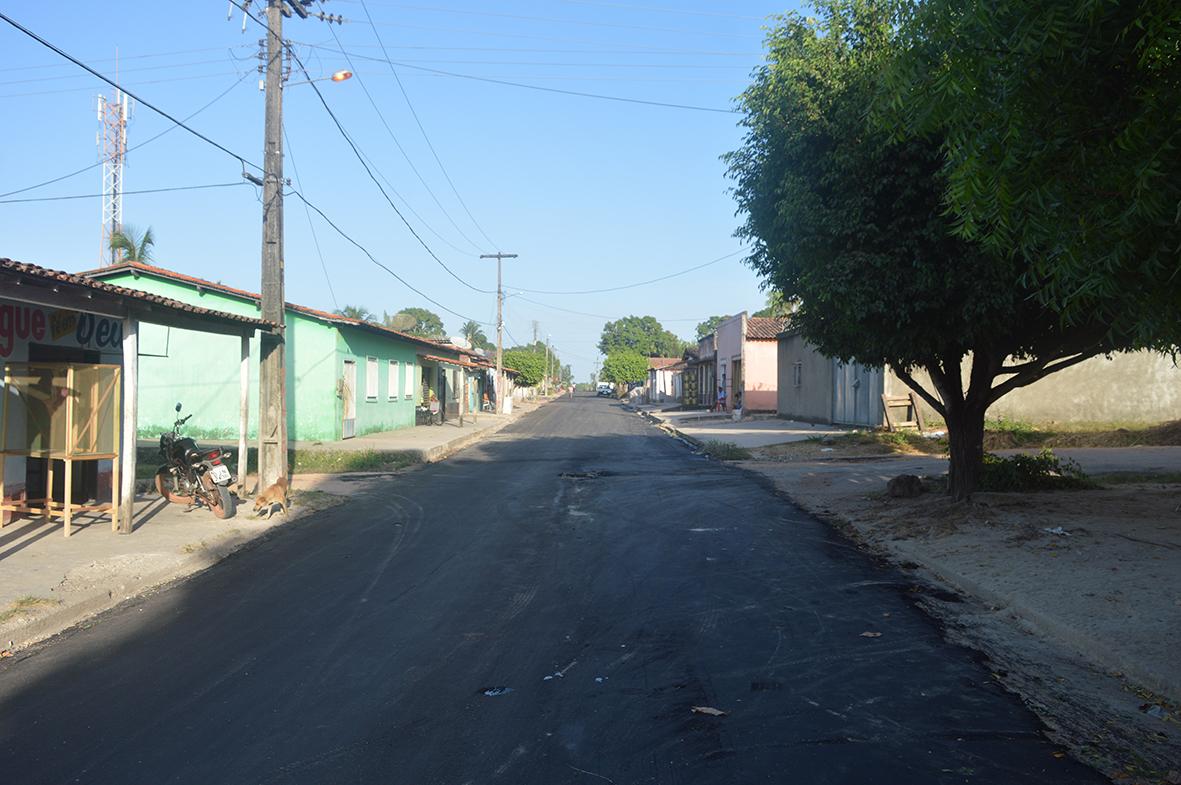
1075, 596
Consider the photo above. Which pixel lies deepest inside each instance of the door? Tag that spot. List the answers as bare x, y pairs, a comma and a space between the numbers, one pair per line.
348, 394
857, 394
735, 393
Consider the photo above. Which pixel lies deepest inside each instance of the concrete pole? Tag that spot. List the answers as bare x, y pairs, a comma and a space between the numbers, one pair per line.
130, 384
272, 376
243, 411
500, 385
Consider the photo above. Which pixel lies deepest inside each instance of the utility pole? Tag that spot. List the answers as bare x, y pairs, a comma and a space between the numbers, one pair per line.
535, 325
272, 373
547, 368
499, 257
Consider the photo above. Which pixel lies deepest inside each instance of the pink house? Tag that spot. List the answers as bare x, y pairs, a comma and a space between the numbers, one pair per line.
748, 361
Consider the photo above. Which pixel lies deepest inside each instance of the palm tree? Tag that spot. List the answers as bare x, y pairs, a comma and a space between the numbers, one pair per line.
472, 331
131, 246
357, 312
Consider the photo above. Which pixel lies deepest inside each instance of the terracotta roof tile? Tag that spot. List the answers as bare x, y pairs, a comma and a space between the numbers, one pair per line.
73, 279
326, 316
662, 362
763, 328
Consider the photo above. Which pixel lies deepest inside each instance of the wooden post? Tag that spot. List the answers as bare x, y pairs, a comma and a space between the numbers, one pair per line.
462, 394
115, 461
130, 423
243, 411
71, 437
4, 391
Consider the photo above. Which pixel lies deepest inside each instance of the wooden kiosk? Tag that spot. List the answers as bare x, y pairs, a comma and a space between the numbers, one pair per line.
63, 413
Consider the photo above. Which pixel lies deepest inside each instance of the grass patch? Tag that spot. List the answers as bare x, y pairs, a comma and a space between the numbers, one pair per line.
725, 451
1001, 434
303, 461
889, 441
26, 606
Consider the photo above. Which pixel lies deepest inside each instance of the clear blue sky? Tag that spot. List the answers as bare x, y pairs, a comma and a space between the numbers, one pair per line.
591, 193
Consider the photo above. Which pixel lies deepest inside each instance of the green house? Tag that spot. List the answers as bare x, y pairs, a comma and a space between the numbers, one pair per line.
345, 377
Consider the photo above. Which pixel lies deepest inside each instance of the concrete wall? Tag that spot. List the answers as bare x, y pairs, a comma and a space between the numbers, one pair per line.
730, 337
1131, 387
811, 400
760, 376
392, 408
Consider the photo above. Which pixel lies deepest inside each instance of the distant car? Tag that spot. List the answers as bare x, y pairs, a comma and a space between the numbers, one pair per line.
605, 390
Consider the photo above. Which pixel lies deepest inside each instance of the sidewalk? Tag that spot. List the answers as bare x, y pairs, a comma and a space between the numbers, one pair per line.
759, 431
49, 582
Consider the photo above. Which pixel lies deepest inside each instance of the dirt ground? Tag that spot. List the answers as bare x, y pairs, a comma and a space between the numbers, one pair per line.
1075, 596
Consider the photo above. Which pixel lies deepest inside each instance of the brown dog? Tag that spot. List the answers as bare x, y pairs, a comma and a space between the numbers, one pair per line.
268, 498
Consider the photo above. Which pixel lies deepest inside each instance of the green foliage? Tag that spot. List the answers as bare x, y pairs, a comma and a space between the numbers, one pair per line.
725, 451
1022, 472
475, 336
777, 306
623, 367
425, 324
709, 325
132, 246
357, 312
642, 335
846, 216
529, 364
1058, 121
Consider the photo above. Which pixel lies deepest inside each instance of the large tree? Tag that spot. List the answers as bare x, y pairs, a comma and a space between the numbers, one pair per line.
641, 334
475, 336
624, 367
709, 325
417, 321
529, 365
1059, 126
849, 222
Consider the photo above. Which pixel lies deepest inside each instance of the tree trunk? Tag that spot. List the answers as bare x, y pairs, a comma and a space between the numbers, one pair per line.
965, 434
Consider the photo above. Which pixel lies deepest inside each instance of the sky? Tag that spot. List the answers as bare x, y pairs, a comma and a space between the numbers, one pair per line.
591, 193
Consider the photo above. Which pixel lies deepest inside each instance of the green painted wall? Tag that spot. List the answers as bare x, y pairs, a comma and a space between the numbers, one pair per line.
201, 371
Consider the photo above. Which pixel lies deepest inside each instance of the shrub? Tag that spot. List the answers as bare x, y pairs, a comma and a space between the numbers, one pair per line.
725, 451
1022, 472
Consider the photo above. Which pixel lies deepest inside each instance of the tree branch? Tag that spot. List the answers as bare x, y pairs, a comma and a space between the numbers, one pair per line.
1026, 378
909, 381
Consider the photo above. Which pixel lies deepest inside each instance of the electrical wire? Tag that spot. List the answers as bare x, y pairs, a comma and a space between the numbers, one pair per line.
659, 9
125, 193
398, 144
544, 89
173, 53
112, 83
311, 225
527, 50
639, 283
190, 78
421, 128
596, 315
364, 164
149, 140
237, 157
141, 68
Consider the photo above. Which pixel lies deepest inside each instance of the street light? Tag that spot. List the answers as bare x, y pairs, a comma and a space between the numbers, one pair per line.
339, 76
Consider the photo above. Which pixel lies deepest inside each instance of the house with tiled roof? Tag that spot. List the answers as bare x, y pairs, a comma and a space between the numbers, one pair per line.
747, 362
664, 379
345, 377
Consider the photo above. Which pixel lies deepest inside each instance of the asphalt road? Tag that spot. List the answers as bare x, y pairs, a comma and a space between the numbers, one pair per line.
544, 608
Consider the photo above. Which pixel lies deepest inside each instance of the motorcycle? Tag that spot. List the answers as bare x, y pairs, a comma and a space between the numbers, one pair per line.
194, 476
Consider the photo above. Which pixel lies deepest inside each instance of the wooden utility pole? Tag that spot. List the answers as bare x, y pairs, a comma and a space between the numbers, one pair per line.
272, 375
547, 369
499, 257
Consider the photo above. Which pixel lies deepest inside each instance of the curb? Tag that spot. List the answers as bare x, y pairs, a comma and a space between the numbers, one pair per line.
126, 588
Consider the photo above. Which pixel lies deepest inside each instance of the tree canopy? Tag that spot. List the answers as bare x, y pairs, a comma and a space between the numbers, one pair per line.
475, 336
418, 321
357, 312
530, 366
623, 367
846, 216
1058, 122
709, 325
642, 335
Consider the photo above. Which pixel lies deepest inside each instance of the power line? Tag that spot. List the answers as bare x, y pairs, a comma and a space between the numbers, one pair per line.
125, 193
150, 139
543, 89
125, 57
110, 82
190, 78
311, 226
531, 50
639, 283
398, 144
596, 315
662, 10
421, 128
142, 68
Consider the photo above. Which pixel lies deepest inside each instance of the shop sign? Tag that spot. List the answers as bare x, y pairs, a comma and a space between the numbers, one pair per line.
21, 324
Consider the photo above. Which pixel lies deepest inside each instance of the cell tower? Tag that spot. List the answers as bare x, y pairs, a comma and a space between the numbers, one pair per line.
113, 145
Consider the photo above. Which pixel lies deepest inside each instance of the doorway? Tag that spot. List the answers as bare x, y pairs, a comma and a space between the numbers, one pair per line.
857, 394
348, 395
